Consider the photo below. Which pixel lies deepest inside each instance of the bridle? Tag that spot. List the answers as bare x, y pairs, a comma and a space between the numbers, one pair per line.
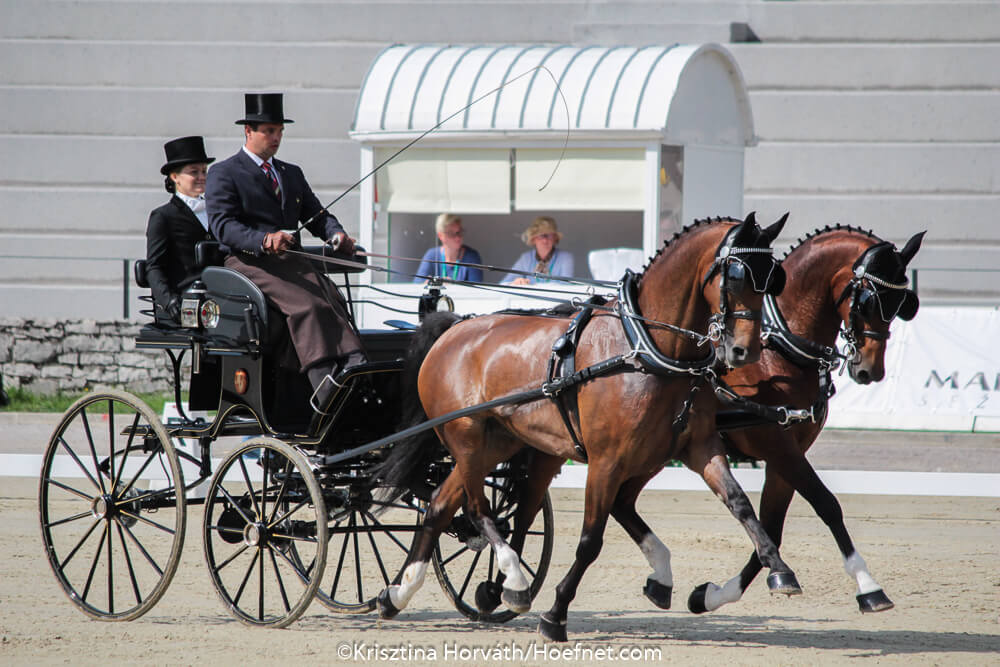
731, 262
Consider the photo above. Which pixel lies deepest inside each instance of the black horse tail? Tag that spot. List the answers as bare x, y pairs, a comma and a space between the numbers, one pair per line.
407, 463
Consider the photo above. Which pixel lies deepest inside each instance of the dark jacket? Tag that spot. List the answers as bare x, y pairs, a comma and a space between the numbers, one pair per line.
171, 234
242, 208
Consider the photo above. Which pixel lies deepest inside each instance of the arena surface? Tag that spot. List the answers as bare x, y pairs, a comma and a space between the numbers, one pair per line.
936, 557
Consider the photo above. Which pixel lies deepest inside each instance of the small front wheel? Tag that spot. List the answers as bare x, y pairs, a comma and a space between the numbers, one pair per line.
265, 518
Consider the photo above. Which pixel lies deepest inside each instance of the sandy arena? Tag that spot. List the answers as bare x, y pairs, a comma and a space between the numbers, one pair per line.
938, 559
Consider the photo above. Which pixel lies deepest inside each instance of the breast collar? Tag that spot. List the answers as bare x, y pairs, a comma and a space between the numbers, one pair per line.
797, 349
644, 350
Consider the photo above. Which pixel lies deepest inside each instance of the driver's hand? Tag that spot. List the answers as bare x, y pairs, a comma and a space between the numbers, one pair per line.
345, 244
278, 242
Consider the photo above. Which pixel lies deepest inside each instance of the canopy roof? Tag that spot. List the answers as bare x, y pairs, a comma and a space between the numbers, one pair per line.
684, 94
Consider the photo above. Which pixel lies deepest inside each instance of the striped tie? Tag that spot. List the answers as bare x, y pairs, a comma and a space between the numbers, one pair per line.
271, 177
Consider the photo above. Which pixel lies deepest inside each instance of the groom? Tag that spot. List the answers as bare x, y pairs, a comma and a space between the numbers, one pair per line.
255, 204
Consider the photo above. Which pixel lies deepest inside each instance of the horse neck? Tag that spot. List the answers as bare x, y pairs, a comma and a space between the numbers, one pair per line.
670, 291
817, 272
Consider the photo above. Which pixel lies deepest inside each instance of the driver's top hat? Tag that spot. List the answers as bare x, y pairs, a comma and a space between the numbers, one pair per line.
264, 108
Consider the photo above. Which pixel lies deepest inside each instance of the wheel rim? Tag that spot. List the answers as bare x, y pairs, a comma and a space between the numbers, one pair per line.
463, 560
370, 541
264, 518
112, 521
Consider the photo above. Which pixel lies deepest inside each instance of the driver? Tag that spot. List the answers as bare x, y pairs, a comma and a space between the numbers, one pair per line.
252, 200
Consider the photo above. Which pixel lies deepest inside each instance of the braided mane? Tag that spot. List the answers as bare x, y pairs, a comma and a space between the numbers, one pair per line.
827, 229
666, 243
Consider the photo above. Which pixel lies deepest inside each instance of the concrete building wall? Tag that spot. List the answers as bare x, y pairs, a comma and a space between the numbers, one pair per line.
878, 114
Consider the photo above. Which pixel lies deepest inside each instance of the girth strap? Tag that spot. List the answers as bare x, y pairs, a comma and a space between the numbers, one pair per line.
562, 371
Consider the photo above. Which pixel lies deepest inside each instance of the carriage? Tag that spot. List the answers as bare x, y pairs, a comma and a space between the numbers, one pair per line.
289, 504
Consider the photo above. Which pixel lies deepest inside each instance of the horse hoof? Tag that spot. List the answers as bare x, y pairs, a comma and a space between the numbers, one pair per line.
487, 596
696, 601
517, 601
874, 601
783, 582
657, 593
386, 609
551, 630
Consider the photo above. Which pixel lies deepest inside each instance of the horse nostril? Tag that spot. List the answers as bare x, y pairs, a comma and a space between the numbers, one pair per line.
739, 353
864, 377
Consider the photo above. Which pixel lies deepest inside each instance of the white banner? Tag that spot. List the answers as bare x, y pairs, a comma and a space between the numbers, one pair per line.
942, 373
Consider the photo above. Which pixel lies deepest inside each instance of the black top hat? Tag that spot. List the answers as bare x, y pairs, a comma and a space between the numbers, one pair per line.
186, 150
264, 108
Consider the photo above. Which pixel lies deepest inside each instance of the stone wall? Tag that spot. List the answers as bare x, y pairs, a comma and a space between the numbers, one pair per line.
47, 356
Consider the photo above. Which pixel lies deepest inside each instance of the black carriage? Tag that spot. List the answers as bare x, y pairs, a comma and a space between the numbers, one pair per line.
281, 524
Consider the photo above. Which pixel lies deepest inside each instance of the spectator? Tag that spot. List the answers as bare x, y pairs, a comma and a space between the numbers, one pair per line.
544, 258
443, 261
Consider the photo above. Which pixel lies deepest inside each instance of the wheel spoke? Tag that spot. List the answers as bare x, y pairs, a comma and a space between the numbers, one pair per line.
246, 577
260, 581
387, 532
279, 499
138, 474
229, 560
128, 447
340, 566
128, 562
93, 566
288, 513
468, 576
62, 565
527, 567
264, 488
93, 451
250, 491
455, 555
357, 559
98, 483
148, 522
111, 566
75, 517
149, 558
378, 556
281, 583
235, 505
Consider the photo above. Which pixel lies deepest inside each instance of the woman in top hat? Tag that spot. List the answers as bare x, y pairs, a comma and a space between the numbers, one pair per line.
176, 227
544, 258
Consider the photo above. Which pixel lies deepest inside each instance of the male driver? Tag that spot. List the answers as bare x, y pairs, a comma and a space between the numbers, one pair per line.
252, 201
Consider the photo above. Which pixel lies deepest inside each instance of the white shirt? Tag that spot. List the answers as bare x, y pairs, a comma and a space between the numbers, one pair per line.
257, 161
197, 206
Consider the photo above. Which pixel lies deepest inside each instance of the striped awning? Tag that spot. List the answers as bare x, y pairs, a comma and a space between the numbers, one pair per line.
682, 93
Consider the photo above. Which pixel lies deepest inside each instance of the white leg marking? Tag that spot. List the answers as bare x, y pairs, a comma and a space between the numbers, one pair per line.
510, 565
413, 578
658, 556
856, 567
715, 597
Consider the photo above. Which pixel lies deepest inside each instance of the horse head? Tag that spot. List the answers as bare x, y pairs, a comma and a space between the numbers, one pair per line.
873, 295
743, 271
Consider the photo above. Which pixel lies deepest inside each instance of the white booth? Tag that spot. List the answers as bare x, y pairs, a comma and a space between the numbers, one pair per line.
621, 145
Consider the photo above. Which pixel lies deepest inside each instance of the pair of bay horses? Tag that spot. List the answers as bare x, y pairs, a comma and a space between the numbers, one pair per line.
648, 391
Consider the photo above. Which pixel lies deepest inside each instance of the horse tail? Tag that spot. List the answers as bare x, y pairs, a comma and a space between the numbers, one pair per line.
407, 462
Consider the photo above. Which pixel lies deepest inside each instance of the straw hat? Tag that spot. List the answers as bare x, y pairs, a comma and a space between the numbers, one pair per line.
541, 225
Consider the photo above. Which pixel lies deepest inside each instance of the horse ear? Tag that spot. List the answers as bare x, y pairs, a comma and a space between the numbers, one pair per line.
750, 220
772, 232
911, 247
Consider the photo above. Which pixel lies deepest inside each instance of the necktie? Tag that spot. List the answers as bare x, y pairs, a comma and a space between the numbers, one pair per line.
271, 177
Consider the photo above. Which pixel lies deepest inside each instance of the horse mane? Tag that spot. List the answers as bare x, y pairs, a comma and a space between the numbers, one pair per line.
826, 230
683, 231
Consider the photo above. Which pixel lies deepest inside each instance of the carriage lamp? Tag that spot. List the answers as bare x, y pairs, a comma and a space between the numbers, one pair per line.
433, 300
189, 312
210, 314
241, 381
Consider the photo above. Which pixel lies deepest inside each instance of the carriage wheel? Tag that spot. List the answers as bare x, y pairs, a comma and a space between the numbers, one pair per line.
112, 520
465, 563
370, 542
264, 517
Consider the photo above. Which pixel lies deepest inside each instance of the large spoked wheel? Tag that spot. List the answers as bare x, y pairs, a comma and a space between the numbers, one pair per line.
370, 541
111, 516
264, 518
465, 563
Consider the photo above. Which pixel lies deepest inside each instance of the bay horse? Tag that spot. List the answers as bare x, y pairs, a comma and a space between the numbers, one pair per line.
640, 402
840, 279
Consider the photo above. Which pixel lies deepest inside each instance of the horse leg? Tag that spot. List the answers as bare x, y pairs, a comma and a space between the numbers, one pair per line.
774, 501
446, 501
660, 584
599, 500
714, 469
870, 596
542, 469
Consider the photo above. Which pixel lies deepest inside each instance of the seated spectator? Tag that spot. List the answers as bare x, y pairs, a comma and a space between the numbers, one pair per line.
544, 258
175, 228
442, 261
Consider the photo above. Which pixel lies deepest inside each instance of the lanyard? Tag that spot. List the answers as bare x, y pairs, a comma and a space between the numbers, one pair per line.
454, 267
